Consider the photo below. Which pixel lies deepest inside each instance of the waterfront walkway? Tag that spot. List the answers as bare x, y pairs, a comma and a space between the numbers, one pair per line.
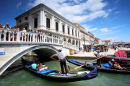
91, 54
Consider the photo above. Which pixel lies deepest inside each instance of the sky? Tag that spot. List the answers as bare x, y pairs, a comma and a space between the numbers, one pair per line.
106, 19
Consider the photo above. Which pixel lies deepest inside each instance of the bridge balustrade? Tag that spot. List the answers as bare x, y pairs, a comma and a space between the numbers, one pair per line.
19, 36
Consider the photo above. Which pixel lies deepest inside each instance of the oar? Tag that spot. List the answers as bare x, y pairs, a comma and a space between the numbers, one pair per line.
67, 65
60, 70
86, 63
55, 59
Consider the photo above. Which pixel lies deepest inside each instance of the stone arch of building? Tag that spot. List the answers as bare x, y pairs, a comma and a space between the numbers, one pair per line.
64, 39
73, 42
69, 40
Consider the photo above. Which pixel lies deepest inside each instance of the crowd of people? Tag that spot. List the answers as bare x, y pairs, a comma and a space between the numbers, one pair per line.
15, 29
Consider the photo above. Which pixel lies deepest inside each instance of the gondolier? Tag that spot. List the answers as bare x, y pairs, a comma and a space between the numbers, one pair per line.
98, 58
62, 62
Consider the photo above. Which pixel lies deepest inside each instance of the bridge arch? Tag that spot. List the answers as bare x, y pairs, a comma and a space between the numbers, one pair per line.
19, 55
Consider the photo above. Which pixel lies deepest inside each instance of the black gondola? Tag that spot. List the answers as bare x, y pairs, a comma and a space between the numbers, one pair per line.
110, 57
101, 68
54, 75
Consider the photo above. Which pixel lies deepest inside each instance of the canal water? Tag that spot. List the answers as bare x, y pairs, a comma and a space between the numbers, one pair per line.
25, 78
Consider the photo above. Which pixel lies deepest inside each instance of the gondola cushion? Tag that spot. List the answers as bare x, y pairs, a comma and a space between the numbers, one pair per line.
107, 66
45, 71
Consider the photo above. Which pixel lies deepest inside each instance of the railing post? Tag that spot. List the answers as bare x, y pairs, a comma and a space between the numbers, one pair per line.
28, 38
9, 36
4, 35
33, 40
44, 38
25, 37
18, 36
52, 39
22, 36
0, 35
58, 41
13, 36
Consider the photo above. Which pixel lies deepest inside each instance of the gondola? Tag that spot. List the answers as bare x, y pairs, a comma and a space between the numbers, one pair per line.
110, 57
54, 75
101, 68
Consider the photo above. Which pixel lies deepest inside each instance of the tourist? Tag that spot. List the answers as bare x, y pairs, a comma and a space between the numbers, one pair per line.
62, 62
2, 35
1, 26
24, 30
31, 31
115, 65
15, 33
34, 66
7, 26
98, 58
41, 67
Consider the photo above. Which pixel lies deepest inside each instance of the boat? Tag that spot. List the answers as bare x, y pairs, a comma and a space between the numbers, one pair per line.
100, 68
120, 55
110, 57
55, 75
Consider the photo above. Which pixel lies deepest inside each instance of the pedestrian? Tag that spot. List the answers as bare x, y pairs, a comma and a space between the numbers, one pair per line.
62, 62
1, 26
7, 26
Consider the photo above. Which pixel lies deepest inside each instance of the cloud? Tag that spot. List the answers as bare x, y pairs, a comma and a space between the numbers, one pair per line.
18, 5
104, 30
87, 27
113, 38
116, 27
76, 10
117, 12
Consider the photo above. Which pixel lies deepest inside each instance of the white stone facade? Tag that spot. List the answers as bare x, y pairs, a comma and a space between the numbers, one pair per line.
43, 18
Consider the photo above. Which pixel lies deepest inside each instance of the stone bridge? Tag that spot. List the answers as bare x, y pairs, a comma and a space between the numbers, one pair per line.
12, 46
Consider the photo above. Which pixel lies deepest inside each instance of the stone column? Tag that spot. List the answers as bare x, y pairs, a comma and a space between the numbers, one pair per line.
66, 29
41, 19
77, 33
60, 26
53, 23
30, 20
74, 31
70, 30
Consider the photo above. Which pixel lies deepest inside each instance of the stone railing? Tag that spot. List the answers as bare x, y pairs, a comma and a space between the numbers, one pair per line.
19, 36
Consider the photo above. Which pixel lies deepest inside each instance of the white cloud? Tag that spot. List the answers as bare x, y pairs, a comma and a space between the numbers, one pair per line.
82, 11
117, 12
89, 29
116, 27
18, 5
104, 30
113, 38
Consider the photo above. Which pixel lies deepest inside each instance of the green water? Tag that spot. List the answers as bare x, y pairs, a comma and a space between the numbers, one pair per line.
25, 78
